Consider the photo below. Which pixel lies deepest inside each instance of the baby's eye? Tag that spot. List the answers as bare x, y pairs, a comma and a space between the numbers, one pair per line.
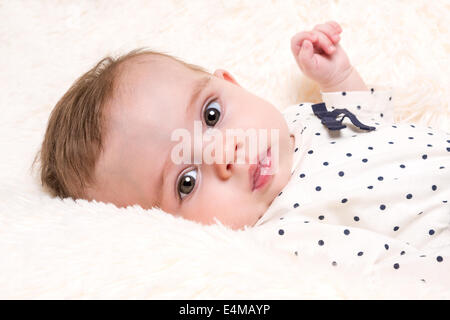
186, 183
212, 113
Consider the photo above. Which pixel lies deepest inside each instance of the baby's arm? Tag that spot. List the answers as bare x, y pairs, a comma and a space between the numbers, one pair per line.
322, 59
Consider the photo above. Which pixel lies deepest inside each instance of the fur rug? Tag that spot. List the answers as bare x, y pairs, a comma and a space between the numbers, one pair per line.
67, 249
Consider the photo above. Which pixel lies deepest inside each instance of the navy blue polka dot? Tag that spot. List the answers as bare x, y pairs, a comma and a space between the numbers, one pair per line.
360, 253
380, 178
281, 232
369, 187
321, 243
433, 187
439, 259
424, 157
356, 218
325, 163
396, 266
364, 160
402, 166
348, 154
296, 205
431, 232
310, 151
341, 173
318, 188
382, 207
321, 217
409, 196
344, 200
296, 149
346, 232
344, 93
402, 253
396, 228
302, 175
386, 246
370, 148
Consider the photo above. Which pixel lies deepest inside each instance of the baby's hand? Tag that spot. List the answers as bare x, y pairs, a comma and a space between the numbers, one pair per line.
319, 55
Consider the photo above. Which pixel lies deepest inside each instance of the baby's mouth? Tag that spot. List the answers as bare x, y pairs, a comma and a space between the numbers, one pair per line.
260, 173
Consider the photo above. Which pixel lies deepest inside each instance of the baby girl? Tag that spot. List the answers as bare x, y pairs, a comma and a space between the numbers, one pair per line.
109, 137
361, 192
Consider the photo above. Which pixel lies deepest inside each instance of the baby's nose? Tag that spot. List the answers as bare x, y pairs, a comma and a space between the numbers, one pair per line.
223, 170
224, 166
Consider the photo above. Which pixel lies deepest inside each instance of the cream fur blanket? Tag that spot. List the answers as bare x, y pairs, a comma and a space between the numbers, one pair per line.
51, 248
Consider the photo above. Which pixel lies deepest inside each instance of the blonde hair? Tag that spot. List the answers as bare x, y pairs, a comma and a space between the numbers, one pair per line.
73, 139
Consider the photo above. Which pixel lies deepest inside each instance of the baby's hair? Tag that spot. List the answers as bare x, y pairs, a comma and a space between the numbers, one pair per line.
73, 140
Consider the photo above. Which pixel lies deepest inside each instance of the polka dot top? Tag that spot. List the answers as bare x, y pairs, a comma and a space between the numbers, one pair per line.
375, 203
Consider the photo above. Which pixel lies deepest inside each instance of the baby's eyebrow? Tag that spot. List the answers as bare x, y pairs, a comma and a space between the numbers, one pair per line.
199, 86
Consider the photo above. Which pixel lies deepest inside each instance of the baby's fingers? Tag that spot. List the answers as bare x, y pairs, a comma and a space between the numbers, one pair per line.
324, 42
330, 31
306, 56
298, 39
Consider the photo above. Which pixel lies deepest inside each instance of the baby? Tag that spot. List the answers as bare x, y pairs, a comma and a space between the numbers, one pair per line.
110, 137
370, 198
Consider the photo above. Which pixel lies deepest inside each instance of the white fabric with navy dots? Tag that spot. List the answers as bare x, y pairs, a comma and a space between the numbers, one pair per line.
376, 203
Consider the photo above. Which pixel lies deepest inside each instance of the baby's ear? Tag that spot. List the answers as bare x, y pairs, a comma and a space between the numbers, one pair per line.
223, 74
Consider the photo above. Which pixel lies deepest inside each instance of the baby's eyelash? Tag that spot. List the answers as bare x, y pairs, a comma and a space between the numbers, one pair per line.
178, 180
208, 101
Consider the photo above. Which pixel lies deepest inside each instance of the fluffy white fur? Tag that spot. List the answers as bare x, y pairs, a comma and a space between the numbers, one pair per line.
53, 248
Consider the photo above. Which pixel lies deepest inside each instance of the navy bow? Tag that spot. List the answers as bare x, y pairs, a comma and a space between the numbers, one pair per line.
329, 117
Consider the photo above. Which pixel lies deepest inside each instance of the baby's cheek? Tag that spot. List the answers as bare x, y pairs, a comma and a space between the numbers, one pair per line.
222, 204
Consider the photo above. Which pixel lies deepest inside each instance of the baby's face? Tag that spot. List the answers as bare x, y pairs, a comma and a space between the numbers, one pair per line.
155, 97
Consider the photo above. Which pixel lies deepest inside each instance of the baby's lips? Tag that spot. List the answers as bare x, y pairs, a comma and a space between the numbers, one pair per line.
251, 174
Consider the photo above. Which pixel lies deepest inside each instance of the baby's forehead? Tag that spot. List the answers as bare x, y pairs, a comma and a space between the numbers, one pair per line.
140, 73
150, 64
150, 86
